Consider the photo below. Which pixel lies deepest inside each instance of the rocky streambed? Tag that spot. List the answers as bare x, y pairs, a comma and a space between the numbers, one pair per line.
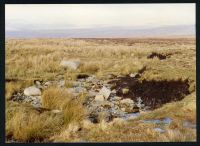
113, 97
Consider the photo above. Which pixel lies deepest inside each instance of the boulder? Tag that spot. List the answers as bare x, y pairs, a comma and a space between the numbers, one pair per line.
128, 105
92, 93
127, 102
107, 104
117, 98
99, 98
105, 92
70, 64
32, 91
80, 89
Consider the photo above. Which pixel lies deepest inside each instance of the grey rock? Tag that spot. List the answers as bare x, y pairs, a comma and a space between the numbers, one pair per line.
159, 130
99, 98
80, 89
49, 83
114, 91
132, 75
61, 83
128, 105
127, 102
105, 92
92, 93
71, 64
56, 111
32, 91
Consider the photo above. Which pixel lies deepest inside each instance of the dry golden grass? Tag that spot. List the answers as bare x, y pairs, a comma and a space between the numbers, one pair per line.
29, 59
57, 98
25, 124
34, 58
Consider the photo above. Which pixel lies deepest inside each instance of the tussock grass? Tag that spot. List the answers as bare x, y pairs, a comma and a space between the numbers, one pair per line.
57, 98
178, 136
91, 67
25, 124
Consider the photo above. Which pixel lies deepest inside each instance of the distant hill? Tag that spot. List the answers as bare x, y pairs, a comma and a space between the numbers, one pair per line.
105, 32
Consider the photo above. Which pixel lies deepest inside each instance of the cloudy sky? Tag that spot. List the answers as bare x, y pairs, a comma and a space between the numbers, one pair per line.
70, 16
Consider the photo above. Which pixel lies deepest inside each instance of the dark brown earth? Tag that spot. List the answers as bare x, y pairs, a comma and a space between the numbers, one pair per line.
153, 93
158, 55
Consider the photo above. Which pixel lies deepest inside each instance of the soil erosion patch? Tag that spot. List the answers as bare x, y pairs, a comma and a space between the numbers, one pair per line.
153, 93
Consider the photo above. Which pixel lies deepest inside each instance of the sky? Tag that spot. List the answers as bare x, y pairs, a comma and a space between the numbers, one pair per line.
84, 16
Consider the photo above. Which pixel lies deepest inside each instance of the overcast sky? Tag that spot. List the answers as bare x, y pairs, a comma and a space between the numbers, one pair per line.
68, 16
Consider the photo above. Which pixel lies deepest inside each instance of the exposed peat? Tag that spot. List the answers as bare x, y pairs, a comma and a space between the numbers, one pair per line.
153, 93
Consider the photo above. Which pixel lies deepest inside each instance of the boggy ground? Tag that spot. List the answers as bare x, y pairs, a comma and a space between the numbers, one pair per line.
153, 93
159, 71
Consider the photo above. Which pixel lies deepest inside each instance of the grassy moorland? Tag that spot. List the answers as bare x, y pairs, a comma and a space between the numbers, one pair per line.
28, 60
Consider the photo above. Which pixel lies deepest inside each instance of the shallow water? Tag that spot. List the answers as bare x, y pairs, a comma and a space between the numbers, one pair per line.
157, 121
159, 130
188, 124
131, 116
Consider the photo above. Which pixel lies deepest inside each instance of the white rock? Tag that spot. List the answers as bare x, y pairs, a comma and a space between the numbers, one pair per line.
99, 98
61, 83
71, 64
117, 98
105, 92
32, 91
48, 83
127, 101
133, 75
56, 111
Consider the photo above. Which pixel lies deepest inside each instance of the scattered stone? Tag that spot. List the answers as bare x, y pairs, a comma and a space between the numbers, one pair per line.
128, 106
49, 83
133, 75
123, 109
159, 130
32, 91
117, 98
92, 93
80, 89
99, 98
114, 91
90, 79
61, 83
139, 103
56, 111
107, 104
71, 64
37, 82
127, 102
105, 92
